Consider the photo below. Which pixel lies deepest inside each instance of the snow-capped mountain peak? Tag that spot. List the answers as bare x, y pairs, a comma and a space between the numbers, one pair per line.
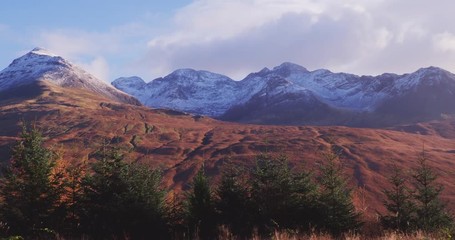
215, 93
188, 75
187, 72
423, 77
44, 52
433, 73
288, 66
42, 65
131, 82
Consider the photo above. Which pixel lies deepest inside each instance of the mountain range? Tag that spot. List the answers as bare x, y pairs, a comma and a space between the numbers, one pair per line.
78, 113
289, 94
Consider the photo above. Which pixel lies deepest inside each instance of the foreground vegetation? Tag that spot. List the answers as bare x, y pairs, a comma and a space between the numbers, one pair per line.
111, 198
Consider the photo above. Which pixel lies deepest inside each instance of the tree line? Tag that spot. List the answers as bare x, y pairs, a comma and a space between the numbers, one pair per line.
111, 198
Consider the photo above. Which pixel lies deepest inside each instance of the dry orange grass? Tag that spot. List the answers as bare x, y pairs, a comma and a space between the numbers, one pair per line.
388, 235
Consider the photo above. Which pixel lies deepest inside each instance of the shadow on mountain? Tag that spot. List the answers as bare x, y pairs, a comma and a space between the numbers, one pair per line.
21, 93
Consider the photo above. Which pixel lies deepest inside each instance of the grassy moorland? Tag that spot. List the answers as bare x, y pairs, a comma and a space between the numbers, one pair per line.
109, 197
173, 148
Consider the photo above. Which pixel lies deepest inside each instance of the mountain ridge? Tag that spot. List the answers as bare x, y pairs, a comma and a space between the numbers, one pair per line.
360, 99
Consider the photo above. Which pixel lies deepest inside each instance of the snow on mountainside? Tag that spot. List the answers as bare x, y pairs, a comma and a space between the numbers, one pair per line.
198, 92
212, 94
41, 65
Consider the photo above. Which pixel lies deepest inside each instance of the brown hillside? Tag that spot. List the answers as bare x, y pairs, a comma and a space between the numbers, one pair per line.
78, 122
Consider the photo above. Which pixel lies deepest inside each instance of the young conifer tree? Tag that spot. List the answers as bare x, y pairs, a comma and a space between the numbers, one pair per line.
338, 214
123, 199
399, 203
305, 200
31, 187
281, 198
73, 197
200, 207
233, 202
272, 192
431, 212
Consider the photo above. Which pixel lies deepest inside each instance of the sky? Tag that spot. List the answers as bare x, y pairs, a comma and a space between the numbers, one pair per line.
150, 39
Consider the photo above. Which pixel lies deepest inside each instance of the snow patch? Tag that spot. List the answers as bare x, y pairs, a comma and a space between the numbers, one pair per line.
44, 52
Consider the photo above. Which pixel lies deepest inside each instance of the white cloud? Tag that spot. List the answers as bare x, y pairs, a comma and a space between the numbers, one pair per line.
98, 67
383, 37
364, 37
72, 43
90, 50
445, 41
407, 31
208, 20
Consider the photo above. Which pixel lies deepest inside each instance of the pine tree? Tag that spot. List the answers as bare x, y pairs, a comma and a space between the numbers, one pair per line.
143, 203
200, 208
431, 212
175, 215
233, 202
123, 199
399, 203
31, 187
272, 193
74, 197
101, 189
305, 197
338, 214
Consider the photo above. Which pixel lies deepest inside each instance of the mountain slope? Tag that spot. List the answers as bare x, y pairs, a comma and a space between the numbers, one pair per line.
429, 94
276, 96
41, 65
280, 101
